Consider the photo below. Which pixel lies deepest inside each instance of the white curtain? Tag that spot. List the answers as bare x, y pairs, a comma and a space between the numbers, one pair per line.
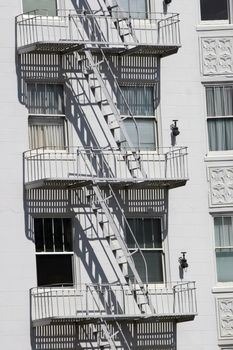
137, 8
219, 101
45, 98
224, 248
220, 131
139, 98
46, 132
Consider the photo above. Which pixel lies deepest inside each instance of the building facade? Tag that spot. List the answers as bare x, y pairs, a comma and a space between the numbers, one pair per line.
102, 188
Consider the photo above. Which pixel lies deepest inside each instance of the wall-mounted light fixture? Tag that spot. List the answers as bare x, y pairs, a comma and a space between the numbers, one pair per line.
183, 264
174, 128
183, 261
167, 2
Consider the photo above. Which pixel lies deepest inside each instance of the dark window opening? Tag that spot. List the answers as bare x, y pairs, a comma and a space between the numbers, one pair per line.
212, 10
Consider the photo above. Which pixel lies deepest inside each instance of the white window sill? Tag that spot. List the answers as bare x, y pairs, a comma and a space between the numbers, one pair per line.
216, 156
226, 287
213, 26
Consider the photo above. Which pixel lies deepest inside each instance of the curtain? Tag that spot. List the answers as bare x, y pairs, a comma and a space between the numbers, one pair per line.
139, 98
46, 132
45, 98
224, 248
220, 131
146, 130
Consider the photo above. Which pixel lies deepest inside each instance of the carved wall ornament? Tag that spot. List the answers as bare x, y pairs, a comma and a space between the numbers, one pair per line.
221, 186
225, 312
217, 56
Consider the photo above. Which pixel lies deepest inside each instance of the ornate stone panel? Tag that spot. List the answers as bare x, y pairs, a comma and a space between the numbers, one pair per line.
221, 186
217, 56
225, 318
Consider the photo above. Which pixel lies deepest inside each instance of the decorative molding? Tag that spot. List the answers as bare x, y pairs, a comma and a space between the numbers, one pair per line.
225, 319
221, 186
217, 56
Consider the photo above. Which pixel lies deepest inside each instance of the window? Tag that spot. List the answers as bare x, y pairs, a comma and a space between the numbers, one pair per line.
54, 251
140, 100
47, 124
45, 7
219, 102
147, 232
212, 10
223, 227
138, 8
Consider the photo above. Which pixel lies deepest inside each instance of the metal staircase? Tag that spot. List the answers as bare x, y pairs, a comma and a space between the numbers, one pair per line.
121, 22
97, 201
113, 117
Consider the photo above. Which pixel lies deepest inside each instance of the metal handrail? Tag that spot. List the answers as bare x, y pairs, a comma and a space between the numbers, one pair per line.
111, 299
34, 27
138, 248
51, 162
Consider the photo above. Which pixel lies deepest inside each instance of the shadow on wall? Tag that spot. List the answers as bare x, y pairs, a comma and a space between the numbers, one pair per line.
140, 335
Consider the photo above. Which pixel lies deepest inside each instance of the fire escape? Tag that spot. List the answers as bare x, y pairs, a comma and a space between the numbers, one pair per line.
103, 171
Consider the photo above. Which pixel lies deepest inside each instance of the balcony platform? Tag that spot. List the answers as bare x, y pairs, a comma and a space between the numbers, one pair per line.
65, 47
77, 167
157, 34
95, 303
63, 183
178, 318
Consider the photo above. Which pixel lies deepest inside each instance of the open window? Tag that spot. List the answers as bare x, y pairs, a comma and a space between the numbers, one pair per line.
215, 10
54, 251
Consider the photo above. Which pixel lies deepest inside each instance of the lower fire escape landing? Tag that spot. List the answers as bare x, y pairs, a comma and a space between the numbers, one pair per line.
93, 303
79, 167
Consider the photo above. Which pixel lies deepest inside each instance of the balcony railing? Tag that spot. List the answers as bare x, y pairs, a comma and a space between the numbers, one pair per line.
91, 302
165, 166
45, 33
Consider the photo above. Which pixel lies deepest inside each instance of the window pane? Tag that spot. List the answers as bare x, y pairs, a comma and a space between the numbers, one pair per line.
224, 264
152, 233
220, 132
134, 6
49, 5
214, 10
48, 235
45, 98
154, 265
39, 237
46, 132
129, 239
146, 130
58, 235
36, 98
139, 98
68, 241
54, 269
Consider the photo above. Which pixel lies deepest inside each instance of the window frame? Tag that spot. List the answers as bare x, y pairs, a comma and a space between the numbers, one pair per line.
57, 3
216, 21
163, 245
216, 117
152, 117
56, 253
221, 215
45, 115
